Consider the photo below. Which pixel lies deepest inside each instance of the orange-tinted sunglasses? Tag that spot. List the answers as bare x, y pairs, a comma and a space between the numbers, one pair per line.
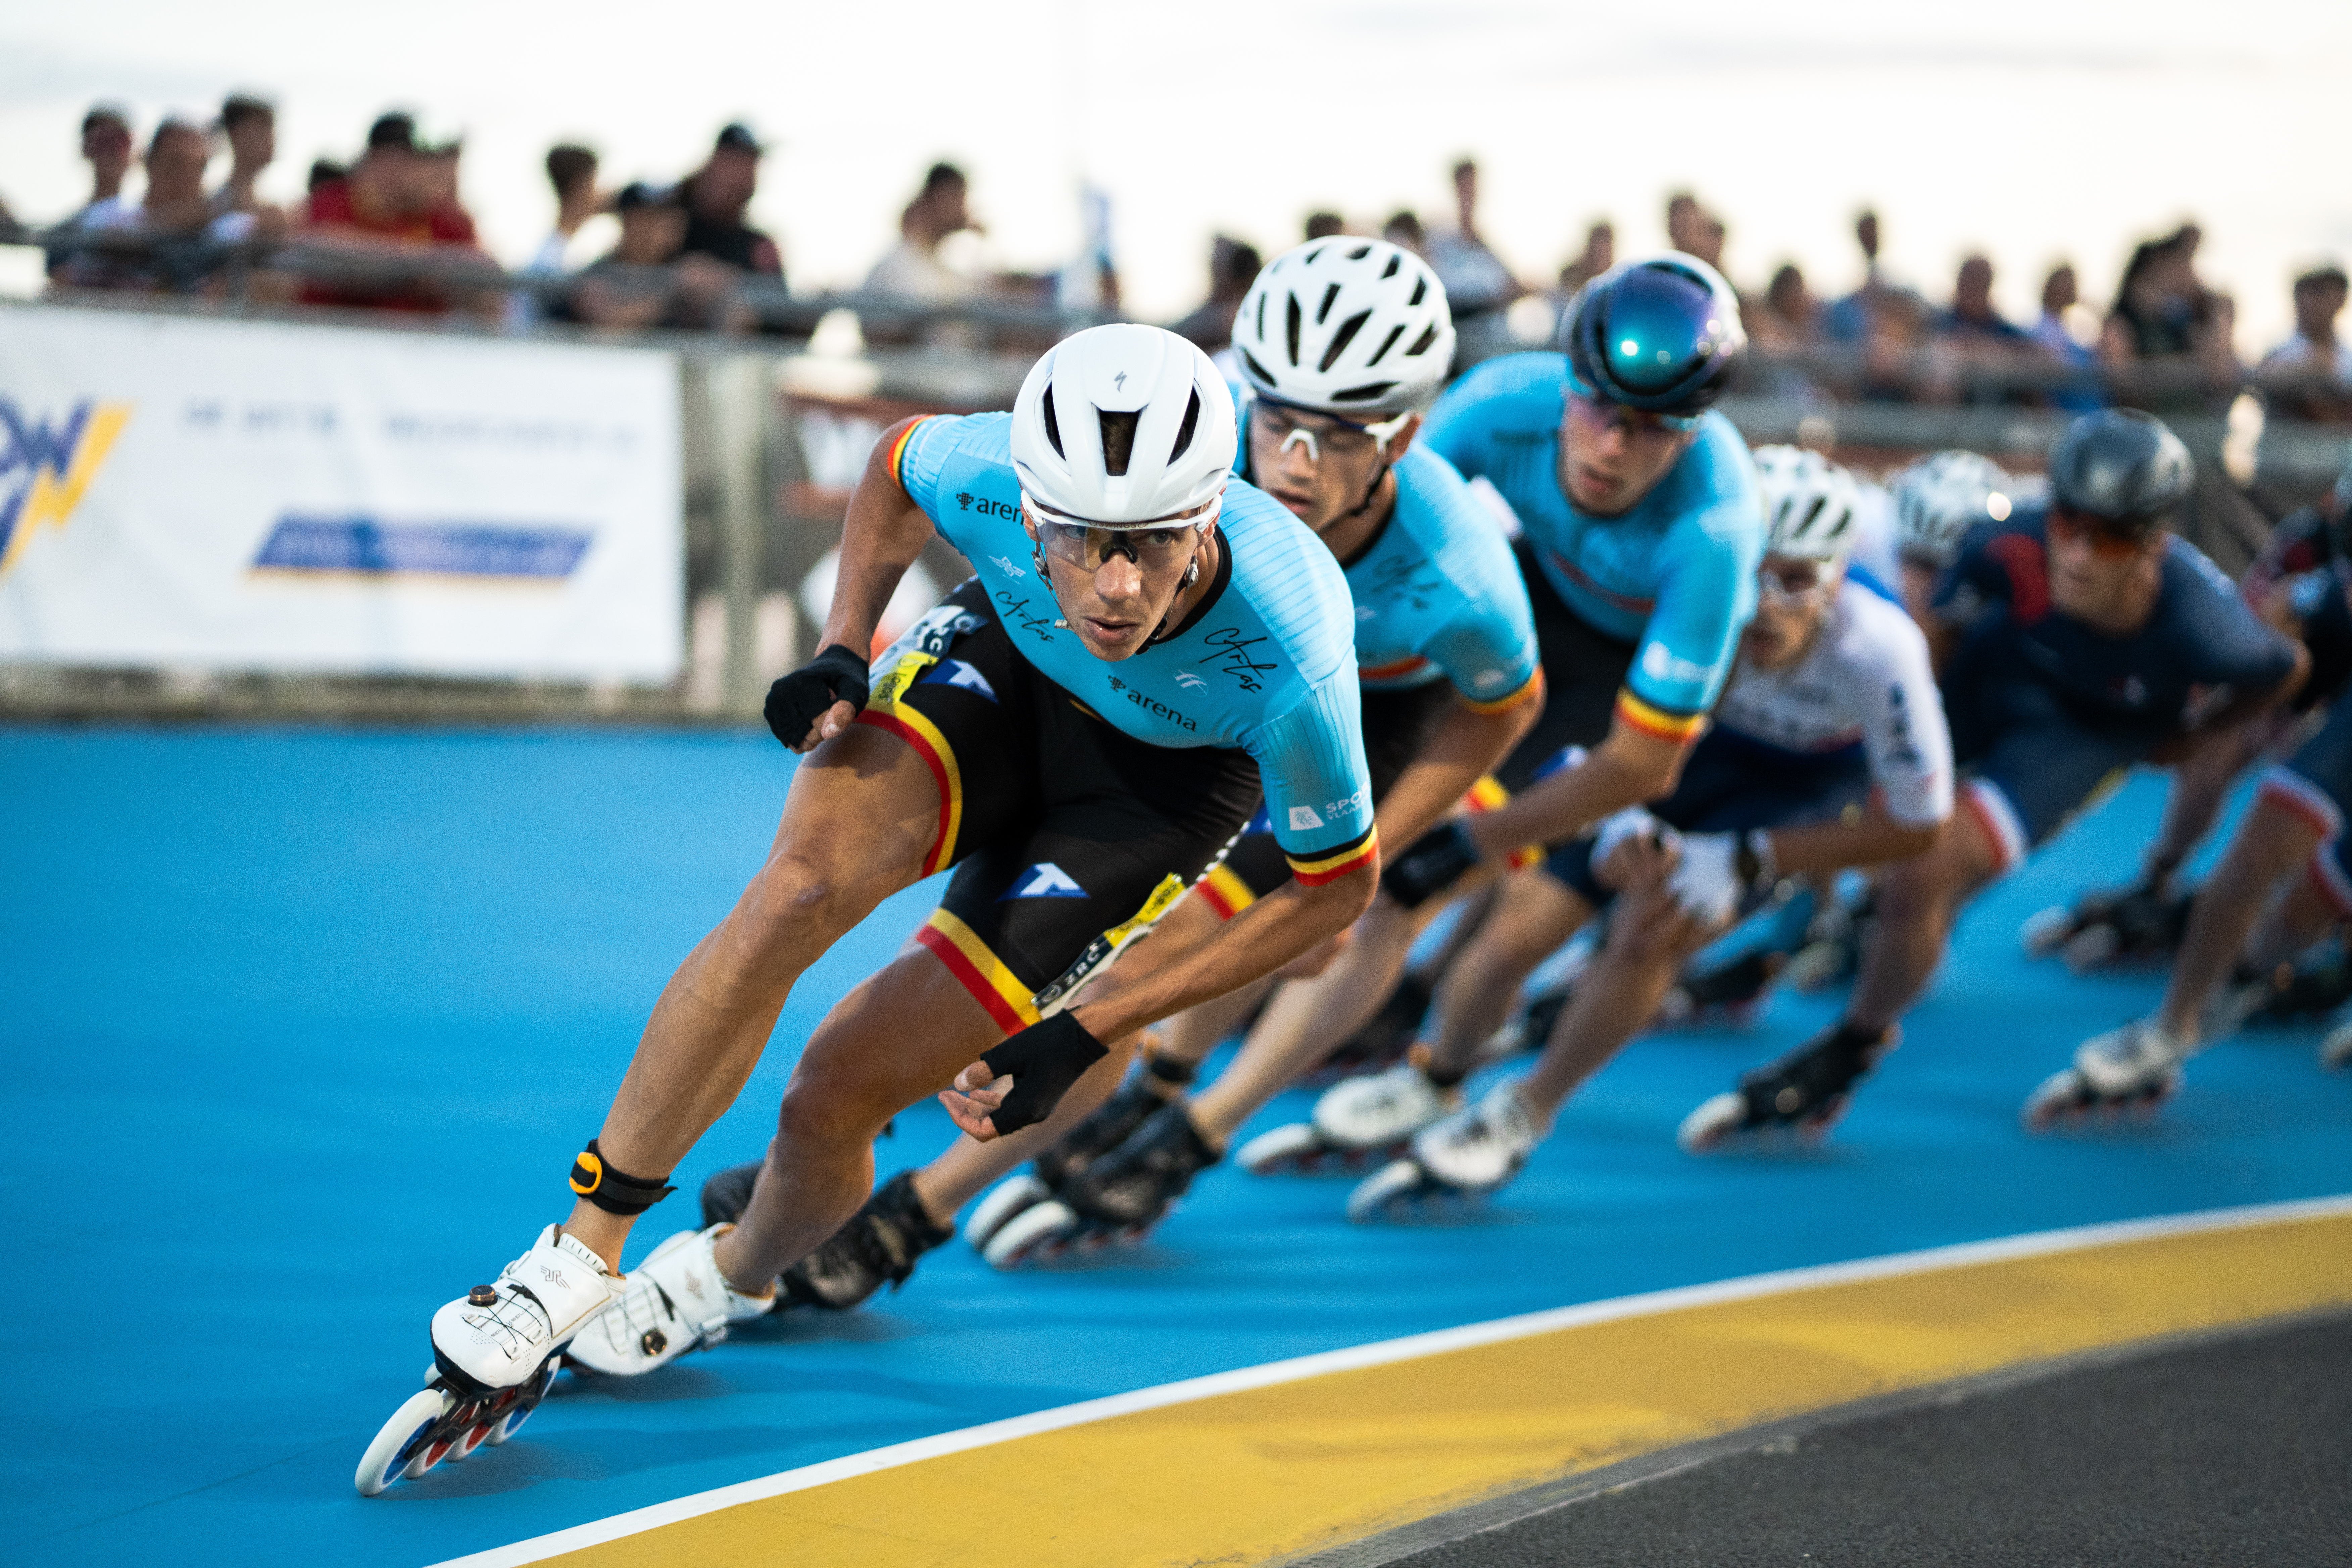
2108, 541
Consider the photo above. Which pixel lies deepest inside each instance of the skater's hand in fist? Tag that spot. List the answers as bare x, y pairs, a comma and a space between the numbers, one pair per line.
1019, 1082
1634, 847
817, 702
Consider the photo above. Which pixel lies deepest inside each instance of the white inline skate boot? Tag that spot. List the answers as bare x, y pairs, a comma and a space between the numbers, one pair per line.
1355, 1121
496, 1350
674, 1301
1475, 1150
2134, 1068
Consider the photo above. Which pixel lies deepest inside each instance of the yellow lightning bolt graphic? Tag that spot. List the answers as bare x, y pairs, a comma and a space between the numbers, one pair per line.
53, 496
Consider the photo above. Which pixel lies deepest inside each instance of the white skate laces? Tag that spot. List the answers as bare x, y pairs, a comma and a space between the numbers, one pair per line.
1482, 1146
2125, 1059
674, 1301
499, 1335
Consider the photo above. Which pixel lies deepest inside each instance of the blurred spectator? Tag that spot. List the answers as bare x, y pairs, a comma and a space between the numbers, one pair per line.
1693, 230
174, 208
1233, 267
106, 144
2164, 314
322, 170
249, 125
1972, 317
396, 199
1599, 255
1404, 229
2316, 352
645, 282
1788, 320
1850, 320
1476, 279
717, 196
2060, 335
912, 267
572, 170
1323, 225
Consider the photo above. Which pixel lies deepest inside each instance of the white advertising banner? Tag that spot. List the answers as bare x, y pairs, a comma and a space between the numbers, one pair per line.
196, 493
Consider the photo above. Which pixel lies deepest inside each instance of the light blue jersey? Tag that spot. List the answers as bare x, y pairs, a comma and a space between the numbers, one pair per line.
1438, 596
1676, 574
1263, 663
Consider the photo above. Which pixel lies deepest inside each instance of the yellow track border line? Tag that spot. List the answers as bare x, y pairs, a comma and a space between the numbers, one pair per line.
1271, 1462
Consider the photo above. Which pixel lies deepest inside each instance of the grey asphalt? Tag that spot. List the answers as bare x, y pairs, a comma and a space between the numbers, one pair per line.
2236, 1450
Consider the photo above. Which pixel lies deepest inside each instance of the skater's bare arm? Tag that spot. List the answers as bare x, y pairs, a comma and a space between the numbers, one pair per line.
880, 538
1629, 767
1464, 747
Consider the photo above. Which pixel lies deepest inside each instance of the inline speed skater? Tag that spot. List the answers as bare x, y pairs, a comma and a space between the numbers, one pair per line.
1642, 529
1340, 345
1827, 749
2071, 645
1078, 731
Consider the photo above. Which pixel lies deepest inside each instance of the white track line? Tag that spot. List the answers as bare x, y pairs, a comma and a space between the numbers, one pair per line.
1410, 1347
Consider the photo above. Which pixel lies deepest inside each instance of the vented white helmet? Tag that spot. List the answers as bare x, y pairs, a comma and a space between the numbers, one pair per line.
1122, 426
1346, 326
1812, 506
1938, 498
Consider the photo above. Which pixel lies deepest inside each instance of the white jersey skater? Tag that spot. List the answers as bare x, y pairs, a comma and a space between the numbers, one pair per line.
1866, 682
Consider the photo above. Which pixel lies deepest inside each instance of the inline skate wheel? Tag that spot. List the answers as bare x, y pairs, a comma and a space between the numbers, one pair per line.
1715, 1119
2335, 1050
387, 1457
2046, 933
1816, 966
527, 1399
1011, 1197
1386, 1189
1033, 1234
1286, 1148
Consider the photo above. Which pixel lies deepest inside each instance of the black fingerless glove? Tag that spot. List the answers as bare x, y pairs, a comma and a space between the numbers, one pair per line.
1430, 865
1042, 1060
799, 699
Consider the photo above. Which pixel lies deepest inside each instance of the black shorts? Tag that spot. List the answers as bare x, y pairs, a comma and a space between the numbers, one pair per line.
1731, 783
1583, 671
1068, 836
1397, 723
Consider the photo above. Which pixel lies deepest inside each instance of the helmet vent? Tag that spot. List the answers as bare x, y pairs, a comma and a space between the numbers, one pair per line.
1361, 252
1386, 344
1368, 392
1293, 333
1184, 431
1053, 429
1390, 269
1420, 344
1420, 287
1255, 369
1330, 295
1261, 315
1118, 439
1343, 337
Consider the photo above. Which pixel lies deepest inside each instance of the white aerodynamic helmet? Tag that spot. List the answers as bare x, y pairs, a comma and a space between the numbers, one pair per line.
1812, 506
1938, 498
1123, 426
1346, 326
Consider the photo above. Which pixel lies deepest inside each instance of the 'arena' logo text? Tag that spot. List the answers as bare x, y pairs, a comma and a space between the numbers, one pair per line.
985, 507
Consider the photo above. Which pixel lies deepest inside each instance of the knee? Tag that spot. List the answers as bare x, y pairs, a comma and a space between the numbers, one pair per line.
818, 1112
796, 896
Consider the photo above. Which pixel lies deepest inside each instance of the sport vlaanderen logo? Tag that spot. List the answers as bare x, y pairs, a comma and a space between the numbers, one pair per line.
46, 469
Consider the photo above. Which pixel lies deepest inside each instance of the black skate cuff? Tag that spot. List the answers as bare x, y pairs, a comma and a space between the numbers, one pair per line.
614, 1191
1173, 1071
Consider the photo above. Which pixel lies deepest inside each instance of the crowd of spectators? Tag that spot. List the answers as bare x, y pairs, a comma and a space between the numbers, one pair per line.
389, 231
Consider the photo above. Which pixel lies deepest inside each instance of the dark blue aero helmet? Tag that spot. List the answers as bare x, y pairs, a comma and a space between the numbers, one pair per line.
2122, 467
1661, 334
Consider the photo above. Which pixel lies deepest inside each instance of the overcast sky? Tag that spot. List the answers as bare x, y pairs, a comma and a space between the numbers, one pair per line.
2028, 129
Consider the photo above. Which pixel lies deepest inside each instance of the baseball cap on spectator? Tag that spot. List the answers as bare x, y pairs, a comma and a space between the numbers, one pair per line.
395, 132
639, 194
736, 137
240, 107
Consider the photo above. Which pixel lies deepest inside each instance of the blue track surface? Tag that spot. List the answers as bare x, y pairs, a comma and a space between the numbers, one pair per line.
303, 1029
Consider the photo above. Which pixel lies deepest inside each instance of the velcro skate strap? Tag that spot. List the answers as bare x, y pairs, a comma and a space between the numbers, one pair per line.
614, 1191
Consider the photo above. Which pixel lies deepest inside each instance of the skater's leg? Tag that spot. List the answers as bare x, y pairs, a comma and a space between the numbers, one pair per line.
898, 1037
967, 1167
1918, 899
2271, 844
2294, 923
862, 813
1309, 1019
1533, 913
1649, 938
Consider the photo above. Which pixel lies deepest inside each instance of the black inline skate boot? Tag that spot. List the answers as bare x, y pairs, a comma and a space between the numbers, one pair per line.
1135, 1185
1803, 1092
